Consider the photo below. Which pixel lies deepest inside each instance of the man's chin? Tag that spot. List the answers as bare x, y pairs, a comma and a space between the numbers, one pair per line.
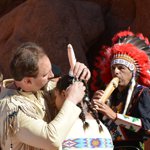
44, 86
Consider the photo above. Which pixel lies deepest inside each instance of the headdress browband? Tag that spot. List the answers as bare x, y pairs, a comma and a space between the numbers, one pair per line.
124, 60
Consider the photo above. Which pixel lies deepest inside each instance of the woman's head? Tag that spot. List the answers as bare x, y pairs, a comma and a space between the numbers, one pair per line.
60, 91
63, 83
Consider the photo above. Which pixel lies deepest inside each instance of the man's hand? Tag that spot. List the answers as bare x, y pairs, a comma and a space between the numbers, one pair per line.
102, 107
75, 92
81, 72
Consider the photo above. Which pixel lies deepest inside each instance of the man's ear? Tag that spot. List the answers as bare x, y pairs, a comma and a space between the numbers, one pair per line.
27, 80
63, 93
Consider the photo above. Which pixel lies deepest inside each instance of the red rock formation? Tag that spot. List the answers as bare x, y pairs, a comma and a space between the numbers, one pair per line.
52, 24
86, 24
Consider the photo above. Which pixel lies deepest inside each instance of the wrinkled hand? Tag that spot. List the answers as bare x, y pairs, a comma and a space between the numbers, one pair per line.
105, 110
102, 107
98, 94
80, 71
75, 92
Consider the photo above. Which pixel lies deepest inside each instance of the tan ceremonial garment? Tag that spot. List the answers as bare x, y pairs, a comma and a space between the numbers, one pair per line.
23, 121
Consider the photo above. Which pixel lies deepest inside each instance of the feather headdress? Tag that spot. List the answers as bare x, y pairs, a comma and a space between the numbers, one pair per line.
128, 49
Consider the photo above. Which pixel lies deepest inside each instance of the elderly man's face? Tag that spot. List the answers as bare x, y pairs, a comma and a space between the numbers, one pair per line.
123, 73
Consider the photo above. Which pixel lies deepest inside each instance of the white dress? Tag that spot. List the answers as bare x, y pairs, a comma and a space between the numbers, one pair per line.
89, 139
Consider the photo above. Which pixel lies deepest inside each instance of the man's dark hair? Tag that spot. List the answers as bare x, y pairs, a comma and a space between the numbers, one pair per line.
25, 61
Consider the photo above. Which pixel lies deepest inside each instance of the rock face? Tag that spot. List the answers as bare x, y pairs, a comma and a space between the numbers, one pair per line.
86, 24
52, 24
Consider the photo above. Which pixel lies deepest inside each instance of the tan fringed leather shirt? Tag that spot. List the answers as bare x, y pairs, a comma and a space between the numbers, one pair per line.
24, 121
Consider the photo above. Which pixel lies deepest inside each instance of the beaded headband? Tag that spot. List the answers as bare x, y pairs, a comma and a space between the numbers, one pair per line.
124, 60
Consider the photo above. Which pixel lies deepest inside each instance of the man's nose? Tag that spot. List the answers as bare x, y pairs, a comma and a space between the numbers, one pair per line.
50, 75
116, 70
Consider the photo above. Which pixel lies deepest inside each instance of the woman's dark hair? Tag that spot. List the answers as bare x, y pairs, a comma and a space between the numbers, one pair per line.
25, 61
67, 80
